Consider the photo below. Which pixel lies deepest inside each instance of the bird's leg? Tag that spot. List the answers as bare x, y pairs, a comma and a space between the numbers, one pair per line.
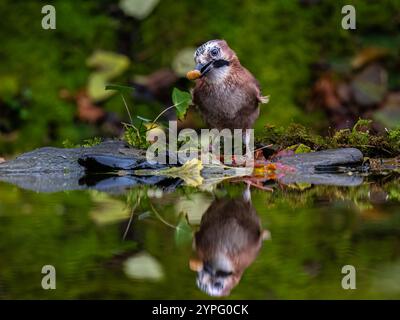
249, 156
247, 193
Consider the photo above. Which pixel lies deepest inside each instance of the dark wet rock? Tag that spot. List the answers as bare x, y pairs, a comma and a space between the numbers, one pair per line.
309, 167
59, 160
56, 169
306, 162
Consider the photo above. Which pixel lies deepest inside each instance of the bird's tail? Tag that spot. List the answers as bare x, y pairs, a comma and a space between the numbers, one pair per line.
264, 99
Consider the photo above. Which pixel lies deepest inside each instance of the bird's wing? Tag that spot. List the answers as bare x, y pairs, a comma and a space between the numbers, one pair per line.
261, 99
195, 99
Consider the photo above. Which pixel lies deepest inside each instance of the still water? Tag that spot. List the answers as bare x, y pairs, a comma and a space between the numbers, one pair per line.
291, 243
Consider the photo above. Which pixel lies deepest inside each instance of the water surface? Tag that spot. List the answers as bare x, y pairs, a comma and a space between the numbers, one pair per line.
137, 245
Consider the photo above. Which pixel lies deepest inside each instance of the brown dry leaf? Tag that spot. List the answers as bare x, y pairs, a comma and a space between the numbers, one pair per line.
368, 55
161, 80
259, 155
325, 93
87, 111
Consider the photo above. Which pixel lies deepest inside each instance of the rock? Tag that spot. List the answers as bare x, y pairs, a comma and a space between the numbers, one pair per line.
305, 167
56, 169
62, 160
306, 162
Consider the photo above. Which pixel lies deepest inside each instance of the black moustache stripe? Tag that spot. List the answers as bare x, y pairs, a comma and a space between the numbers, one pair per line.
220, 63
205, 66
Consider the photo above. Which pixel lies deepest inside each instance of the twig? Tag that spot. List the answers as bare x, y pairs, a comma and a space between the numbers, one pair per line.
165, 110
127, 109
161, 218
131, 218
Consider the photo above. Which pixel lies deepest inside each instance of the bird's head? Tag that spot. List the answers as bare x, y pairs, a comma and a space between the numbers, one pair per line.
213, 59
216, 277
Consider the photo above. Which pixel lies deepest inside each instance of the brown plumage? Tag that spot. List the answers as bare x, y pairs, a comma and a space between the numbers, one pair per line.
228, 241
227, 94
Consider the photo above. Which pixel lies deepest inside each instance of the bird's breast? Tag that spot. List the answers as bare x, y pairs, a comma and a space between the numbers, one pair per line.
223, 99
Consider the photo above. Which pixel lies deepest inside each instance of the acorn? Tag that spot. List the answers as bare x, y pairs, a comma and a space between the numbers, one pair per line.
193, 74
195, 265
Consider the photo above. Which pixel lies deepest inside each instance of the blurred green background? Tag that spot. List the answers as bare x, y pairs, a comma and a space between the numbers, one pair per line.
318, 74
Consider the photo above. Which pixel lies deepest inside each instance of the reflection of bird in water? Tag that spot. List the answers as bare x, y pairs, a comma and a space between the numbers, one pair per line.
228, 241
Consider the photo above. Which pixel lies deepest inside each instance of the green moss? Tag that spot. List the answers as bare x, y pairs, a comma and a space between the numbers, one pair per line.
394, 137
46, 61
86, 143
294, 134
136, 137
386, 144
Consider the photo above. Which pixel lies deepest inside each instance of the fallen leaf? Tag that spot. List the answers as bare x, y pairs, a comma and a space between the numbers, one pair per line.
324, 94
143, 266
138, 9
107, 210
108, 66
87, 111
159, 82
194, 207
183, 61
189, 172
368, 55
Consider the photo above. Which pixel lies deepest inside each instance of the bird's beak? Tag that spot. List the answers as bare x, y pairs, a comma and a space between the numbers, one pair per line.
204, 68
199, 71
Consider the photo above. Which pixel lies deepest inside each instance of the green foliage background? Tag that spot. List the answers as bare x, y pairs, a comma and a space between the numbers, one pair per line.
277, 40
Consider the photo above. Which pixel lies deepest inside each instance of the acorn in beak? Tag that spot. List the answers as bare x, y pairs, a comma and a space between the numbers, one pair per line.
199, 71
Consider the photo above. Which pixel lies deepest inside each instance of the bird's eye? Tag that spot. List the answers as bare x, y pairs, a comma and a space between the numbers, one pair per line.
214, 52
